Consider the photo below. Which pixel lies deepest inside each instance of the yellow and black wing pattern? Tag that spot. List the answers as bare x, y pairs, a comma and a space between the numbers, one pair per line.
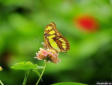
54, 40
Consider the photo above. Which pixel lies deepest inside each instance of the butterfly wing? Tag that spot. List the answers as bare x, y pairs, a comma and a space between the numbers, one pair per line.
54, 40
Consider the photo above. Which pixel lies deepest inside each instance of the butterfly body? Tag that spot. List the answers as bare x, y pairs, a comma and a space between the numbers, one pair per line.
54, 40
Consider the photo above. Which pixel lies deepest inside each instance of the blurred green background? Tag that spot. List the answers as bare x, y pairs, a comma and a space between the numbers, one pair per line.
22, 23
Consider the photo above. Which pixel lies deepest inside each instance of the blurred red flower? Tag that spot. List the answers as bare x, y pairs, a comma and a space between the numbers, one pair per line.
86, 23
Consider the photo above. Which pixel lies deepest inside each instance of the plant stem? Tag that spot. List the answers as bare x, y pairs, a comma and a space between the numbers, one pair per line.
25, 78
41, 73
1, 82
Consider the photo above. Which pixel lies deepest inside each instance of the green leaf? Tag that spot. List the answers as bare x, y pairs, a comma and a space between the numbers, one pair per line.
24, 66
38, 74
68, 83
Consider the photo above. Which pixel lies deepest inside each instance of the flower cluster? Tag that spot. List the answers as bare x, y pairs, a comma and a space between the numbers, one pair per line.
48, 54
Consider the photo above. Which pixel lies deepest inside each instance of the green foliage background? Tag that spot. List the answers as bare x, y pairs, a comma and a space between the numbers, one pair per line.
22, 23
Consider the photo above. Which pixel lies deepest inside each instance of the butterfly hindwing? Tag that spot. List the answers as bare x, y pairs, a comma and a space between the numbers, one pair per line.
54, 40
62, 43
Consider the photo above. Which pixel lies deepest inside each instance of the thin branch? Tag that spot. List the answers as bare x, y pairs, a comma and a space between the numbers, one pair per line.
41, 73
25, 78
1, 82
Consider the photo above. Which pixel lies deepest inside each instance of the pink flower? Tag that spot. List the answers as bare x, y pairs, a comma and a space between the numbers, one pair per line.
49, 55
41, 54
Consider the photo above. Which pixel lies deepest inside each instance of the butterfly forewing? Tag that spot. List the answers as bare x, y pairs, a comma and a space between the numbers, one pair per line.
54, 40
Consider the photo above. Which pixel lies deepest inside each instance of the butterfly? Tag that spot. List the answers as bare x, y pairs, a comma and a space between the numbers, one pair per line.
53, 39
